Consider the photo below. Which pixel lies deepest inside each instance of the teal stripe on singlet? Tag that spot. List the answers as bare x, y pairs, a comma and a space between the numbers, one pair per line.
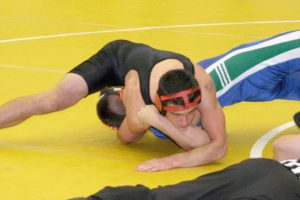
242, 62
249, 59
213, 74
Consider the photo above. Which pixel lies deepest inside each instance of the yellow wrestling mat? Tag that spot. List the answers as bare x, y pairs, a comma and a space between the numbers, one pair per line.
70, 153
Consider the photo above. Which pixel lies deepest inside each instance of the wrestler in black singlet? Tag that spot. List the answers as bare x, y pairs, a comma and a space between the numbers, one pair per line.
109, 66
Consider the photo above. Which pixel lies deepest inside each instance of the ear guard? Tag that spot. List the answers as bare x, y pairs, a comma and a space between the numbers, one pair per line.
112, 91
189, 98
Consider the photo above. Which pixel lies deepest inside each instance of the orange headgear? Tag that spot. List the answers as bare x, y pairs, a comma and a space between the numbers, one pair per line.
112, 90
190, 97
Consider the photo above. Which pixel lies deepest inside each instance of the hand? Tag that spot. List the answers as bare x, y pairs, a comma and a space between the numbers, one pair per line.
149, 115
153, 165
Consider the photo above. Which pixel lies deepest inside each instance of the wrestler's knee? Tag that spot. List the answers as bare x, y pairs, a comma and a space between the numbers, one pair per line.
286, 147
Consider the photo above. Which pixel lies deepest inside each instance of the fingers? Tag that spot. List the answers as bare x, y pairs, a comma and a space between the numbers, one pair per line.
153, 165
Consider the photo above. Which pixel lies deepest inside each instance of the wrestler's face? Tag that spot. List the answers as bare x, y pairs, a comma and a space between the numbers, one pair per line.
182, 119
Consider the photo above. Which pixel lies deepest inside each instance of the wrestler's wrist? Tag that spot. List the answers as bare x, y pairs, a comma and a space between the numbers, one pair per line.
161, 123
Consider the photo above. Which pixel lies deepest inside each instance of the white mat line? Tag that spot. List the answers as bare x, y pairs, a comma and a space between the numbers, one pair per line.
258, 148
58, 21
29, 68
146, 28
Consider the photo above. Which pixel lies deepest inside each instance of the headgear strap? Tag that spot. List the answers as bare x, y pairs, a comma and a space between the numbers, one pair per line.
182, 94
112, 90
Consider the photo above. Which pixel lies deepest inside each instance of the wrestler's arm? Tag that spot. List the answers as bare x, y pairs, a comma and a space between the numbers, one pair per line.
212, 120
66, 93
213, 123
132, 128
188, 138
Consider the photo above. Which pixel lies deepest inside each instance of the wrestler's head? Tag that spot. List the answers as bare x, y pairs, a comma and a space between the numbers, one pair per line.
178, 96
110, 108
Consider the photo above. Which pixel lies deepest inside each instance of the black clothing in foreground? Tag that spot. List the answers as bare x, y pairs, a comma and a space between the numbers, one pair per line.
252, 179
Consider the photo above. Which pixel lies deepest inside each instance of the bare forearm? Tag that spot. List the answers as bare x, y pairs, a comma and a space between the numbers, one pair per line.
198, 156
126, 136
201, 150
188, 139
133, 103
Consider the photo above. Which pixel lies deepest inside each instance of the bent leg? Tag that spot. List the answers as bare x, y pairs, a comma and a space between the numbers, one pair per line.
258, 71
68, 92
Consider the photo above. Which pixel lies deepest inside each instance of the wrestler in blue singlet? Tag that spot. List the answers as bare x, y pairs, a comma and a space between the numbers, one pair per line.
259, 71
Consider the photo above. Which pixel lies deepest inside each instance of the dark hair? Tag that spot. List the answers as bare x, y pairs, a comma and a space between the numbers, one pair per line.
111, 110
175, 81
